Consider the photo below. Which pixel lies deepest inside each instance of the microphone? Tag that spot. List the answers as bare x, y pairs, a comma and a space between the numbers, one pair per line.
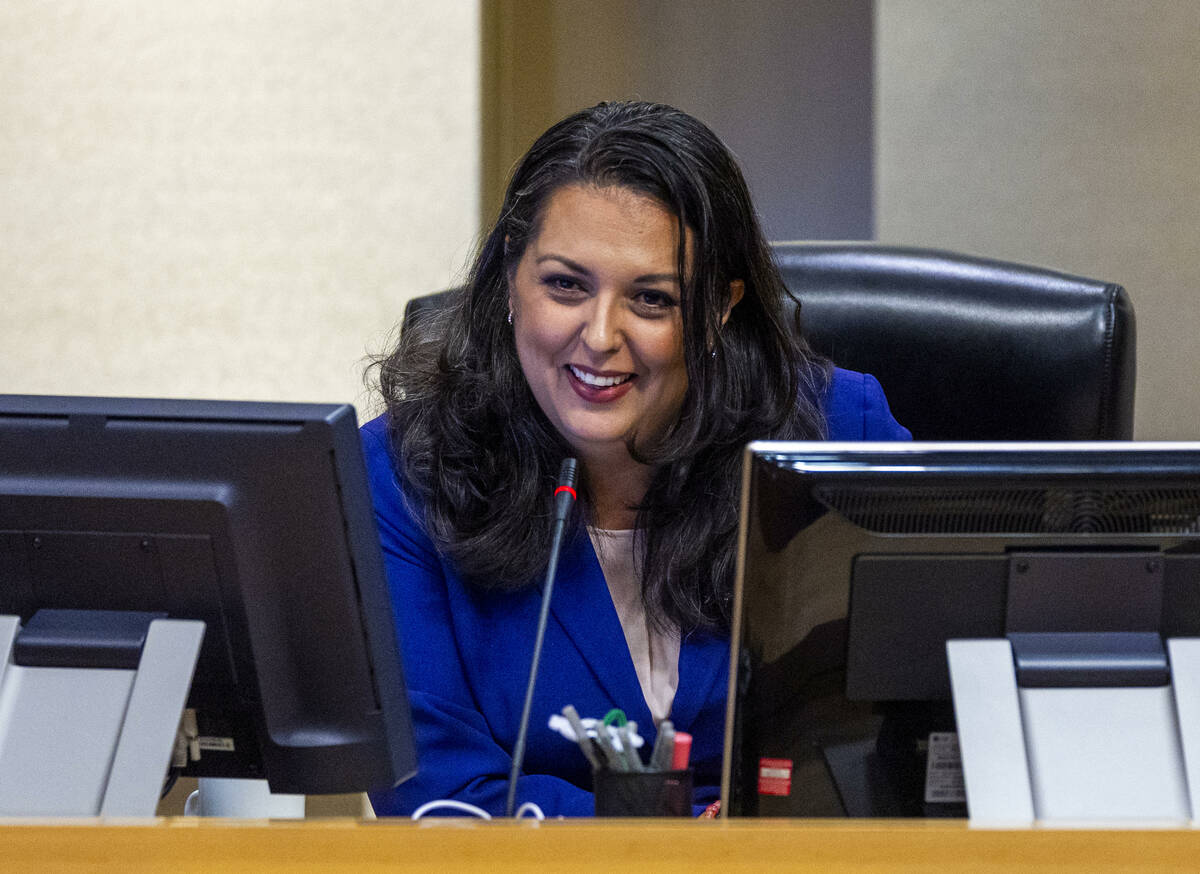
564, 499
564, 494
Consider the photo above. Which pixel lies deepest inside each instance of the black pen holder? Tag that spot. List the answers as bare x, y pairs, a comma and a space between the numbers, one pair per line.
642, 793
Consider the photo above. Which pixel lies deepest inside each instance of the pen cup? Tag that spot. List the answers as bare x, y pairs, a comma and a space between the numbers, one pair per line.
643, 793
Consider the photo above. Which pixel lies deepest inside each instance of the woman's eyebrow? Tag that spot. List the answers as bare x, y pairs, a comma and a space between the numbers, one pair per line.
579, 268
658, 277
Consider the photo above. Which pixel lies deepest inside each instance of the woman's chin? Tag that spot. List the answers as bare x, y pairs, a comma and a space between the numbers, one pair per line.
598, 445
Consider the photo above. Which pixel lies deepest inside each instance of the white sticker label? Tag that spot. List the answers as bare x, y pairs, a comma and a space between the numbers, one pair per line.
220, 744
944, 771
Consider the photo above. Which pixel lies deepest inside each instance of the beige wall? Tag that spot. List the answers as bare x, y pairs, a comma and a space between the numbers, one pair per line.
1056, 132
786, 84
230, 198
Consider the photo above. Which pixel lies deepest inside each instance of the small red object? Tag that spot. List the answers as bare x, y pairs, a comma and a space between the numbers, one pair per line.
574, 497
682, 751
774, 776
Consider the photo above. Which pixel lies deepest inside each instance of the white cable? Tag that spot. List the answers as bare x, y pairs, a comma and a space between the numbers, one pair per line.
529, 807
450, 803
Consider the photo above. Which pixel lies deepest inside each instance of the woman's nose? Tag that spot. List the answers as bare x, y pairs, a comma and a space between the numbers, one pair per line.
602, 326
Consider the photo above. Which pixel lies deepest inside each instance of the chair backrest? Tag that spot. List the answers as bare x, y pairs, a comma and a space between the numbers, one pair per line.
965, 348
968, 348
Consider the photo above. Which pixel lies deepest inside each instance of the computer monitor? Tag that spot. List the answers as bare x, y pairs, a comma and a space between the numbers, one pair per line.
858, 561
253, 517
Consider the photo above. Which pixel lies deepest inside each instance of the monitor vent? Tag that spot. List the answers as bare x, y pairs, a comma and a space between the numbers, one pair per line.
1016, 510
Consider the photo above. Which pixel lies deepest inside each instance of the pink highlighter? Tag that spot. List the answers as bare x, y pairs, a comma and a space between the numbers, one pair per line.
682, 751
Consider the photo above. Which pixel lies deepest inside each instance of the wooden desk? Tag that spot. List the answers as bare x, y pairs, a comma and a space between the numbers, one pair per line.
616, 846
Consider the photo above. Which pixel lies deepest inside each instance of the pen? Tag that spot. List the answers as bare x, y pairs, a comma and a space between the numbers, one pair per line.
582, 737
613, 759
611, 729
625, 733
664, 746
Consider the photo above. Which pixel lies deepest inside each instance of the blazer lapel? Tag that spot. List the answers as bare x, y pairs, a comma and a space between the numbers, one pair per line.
584, 609
703, 674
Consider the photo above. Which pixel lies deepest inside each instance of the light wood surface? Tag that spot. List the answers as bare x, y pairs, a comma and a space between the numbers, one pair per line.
185, 845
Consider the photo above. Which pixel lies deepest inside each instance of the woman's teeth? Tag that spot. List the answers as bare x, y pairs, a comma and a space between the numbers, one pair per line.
598, 381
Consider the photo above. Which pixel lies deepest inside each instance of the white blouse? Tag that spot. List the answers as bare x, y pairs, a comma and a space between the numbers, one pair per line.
655, 654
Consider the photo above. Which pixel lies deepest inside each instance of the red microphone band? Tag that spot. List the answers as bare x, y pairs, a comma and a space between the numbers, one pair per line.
574, 497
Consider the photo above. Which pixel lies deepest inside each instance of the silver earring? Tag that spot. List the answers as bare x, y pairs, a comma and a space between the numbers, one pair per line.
510, 317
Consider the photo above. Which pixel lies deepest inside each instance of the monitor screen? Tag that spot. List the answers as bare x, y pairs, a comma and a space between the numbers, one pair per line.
858, 561
253, 517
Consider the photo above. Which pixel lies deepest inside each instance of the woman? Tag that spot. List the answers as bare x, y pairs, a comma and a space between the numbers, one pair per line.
624, 310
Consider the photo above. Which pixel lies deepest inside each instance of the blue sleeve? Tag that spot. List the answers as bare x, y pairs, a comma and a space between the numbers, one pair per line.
457, 755
856, 409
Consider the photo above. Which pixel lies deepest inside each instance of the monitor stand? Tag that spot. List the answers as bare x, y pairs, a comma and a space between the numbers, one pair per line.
1085, 729
90, 704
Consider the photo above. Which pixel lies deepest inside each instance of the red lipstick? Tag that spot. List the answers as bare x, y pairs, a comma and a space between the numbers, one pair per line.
596, 394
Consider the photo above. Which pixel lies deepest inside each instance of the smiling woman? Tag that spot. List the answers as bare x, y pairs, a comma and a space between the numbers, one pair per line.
625, 310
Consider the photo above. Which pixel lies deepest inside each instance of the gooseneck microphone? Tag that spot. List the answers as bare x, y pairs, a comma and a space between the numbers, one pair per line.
564, 499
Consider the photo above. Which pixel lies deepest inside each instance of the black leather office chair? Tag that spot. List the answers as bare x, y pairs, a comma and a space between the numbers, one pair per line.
966, 348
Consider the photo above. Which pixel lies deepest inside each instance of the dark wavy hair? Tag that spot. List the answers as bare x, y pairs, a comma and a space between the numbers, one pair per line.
477, 457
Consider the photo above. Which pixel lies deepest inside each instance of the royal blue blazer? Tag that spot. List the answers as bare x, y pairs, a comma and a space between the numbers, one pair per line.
466, 653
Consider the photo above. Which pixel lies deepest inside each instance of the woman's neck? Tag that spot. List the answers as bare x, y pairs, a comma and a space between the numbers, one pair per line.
616, 490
